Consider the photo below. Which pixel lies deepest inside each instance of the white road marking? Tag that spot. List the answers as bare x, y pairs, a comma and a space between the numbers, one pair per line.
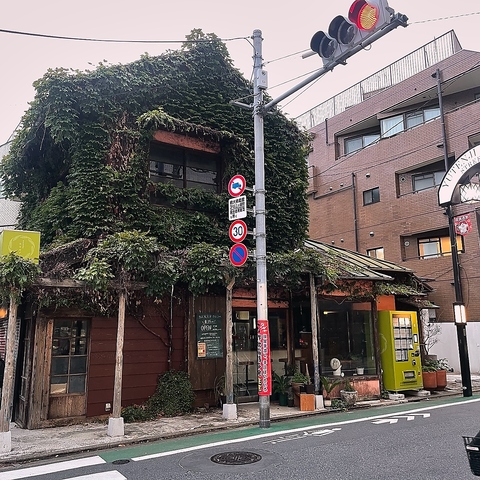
113, 475
395, 418
291, 431
51, 468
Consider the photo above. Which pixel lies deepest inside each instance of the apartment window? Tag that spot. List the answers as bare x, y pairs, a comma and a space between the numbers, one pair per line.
371, 196
357, 143
376, 253
184, 168
427, 180
69, 357
393, 125
433, 247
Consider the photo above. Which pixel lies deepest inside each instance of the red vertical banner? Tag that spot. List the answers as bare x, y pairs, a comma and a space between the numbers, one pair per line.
264, 364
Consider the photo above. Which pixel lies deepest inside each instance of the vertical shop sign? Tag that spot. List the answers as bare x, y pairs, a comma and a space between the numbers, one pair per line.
263, 354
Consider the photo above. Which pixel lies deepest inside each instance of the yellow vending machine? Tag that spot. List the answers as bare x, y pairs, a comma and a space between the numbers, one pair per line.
400, 350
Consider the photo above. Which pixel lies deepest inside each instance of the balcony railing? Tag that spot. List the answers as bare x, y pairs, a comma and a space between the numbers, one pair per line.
413, 63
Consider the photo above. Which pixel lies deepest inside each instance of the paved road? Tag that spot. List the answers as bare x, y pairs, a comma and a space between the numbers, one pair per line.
422, 441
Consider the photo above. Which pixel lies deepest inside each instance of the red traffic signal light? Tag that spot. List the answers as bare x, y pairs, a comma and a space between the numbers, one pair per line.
363, 14
365, 17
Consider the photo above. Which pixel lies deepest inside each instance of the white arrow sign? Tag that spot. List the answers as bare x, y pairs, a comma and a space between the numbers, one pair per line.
298, 436
409, 417
385, 420
325, 432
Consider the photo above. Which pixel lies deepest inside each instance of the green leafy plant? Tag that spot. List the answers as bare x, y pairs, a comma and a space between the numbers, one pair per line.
281, 383
299, 377
348, 387
173, 396
443, 364
16, 275
328, 385
338, 404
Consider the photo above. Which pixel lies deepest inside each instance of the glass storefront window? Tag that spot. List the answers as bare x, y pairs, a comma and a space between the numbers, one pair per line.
348, 336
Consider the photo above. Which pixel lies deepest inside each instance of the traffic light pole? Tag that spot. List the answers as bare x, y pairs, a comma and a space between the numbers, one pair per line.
259, 112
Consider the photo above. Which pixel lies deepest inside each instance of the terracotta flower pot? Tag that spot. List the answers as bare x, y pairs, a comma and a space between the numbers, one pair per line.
429, 380
441, 379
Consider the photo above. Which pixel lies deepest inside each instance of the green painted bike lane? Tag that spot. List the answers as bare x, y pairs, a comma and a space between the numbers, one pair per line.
238, 434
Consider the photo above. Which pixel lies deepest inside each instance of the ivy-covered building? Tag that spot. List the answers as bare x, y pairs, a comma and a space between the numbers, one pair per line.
148, 148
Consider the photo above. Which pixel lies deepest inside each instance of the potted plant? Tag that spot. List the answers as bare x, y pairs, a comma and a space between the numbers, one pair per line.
299, 379
291, 399
281, 384
441, 373
348, 393
429, 375
328, 385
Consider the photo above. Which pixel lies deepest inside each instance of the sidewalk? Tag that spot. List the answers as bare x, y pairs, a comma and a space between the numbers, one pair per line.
50, 442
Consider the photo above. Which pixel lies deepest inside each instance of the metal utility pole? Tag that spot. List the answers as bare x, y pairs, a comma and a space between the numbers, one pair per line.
457, 280
260, 230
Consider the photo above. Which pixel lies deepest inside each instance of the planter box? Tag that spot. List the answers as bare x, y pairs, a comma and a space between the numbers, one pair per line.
307, 402
429, 380
441, 379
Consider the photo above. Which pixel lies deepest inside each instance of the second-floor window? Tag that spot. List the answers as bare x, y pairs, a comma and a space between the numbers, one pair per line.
371, 196
427, 180
184, 168
393, 125
433, 247
357, 143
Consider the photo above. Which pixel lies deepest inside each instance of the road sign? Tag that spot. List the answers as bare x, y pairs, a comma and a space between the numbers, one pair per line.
237, 207
236, 185
238, 231
238, 254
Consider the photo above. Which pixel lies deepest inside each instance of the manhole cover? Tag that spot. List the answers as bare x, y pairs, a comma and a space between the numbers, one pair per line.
120, 462
236, 458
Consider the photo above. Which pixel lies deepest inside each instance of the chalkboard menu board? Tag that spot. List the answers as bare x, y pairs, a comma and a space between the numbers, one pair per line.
209, 335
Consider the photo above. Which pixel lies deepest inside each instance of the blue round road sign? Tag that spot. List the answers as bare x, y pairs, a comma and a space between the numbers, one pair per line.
238, 254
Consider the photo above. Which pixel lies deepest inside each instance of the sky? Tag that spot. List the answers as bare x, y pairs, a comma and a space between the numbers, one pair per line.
287, 28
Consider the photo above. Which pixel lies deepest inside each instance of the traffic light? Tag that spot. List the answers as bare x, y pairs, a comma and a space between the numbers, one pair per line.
365, 18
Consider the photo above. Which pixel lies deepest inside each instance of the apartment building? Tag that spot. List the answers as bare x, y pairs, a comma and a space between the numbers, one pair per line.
380, 152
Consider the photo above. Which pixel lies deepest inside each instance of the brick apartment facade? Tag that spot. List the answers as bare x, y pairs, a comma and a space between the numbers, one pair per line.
377, 164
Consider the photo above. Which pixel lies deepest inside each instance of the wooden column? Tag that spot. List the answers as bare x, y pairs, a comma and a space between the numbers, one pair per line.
9, 372
117, 389
314, 322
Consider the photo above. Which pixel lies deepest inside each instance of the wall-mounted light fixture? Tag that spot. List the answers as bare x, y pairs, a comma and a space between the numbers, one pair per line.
459, 314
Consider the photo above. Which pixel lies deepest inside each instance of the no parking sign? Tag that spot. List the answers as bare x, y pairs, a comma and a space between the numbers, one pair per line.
238, 254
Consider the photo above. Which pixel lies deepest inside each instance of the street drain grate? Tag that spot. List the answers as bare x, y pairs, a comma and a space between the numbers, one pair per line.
120, 462
236, 458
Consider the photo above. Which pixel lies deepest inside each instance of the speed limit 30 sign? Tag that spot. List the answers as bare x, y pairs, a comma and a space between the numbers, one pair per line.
238, 231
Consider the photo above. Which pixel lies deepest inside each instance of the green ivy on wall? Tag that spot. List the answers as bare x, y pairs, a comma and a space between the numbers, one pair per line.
79, 162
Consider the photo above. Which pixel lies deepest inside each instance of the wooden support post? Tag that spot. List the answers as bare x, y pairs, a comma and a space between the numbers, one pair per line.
8, 379
115, 423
